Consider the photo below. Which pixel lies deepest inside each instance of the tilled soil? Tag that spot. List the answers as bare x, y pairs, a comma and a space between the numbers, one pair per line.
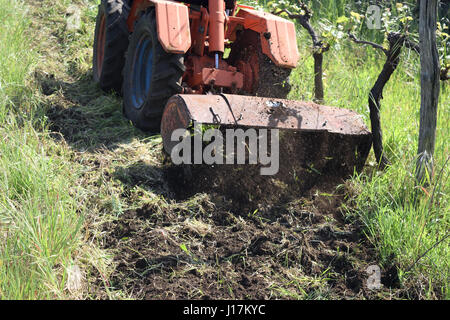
203, 246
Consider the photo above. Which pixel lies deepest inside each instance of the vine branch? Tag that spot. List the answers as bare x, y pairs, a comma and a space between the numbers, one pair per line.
318, 46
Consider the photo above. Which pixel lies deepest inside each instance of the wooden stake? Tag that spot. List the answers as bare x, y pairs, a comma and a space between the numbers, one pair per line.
430, 86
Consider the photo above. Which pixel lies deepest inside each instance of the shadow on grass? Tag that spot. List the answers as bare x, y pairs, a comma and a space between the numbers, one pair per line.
148, 177
86, 117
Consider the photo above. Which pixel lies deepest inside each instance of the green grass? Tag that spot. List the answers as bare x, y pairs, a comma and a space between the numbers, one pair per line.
409, 226
15, 57
39, 213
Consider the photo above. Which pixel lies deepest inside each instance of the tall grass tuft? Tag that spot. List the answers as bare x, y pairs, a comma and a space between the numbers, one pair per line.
39, 222
409, 225
15, 56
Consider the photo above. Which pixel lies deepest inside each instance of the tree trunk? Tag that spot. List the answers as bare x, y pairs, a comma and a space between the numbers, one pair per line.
430, 76
376, 94
318, 47
318, 77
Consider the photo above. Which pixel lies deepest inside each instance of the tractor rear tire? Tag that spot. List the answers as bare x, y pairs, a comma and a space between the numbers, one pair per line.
110, 44
273, 81
151, 75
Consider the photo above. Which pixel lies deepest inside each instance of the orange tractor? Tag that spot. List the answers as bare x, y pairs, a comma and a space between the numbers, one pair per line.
210, 61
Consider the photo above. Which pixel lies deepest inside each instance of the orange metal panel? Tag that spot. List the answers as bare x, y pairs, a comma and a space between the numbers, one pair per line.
278, 36
172, 19
223, 78
200, 71
199, 29
216, 25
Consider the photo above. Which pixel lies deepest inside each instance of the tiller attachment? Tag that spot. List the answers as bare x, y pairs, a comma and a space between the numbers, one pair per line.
338, 136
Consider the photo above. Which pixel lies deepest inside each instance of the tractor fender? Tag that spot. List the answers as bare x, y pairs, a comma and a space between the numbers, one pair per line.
278, 36
172, 20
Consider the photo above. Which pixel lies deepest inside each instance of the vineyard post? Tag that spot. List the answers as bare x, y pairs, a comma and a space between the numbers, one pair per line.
430, 85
